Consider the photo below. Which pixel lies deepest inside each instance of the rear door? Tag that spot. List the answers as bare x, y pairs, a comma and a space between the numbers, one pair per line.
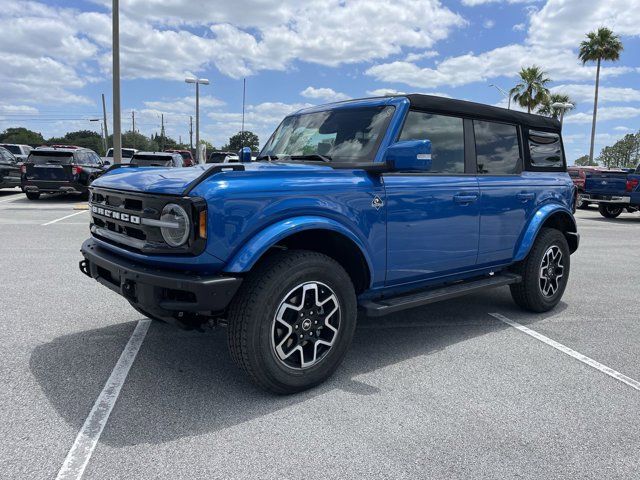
49, 166
508, 196
432, 218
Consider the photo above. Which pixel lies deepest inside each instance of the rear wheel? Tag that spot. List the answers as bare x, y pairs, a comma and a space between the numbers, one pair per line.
33, 195
292, 321
580, 202
544, 272
610, 211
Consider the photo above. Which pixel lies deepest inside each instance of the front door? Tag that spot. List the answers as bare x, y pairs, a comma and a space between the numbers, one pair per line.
432, 218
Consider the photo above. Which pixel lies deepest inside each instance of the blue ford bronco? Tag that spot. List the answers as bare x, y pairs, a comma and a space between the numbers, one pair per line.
380, 204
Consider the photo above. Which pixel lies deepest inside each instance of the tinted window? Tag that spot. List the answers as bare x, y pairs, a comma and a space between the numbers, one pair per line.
497, 148
545, 149
12, 148
41, 158
446, 135
574, 173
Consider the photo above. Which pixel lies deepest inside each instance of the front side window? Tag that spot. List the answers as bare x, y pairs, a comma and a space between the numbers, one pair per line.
446, 135
15, 149
497, 148
545, 149
340, 135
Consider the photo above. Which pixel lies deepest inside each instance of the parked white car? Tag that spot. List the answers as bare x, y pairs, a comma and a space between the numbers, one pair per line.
127, 153
20, 151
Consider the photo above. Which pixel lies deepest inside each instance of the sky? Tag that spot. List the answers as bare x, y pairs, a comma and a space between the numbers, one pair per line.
56, 59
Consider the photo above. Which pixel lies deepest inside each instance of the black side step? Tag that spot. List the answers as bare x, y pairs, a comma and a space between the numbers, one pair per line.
378, 308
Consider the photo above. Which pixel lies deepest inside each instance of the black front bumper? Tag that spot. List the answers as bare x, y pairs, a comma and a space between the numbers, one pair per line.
166, 294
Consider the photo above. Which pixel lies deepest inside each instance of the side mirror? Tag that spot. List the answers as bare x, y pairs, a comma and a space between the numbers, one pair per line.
409, 156
244, 155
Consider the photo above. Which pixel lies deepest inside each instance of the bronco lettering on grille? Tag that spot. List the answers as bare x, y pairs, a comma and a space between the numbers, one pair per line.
123, 217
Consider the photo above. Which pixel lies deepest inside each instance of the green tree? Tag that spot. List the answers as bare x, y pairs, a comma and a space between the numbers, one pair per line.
136, 140
532, 89
21, 135
243, 139
549, 110
81, 138
600, 45
625, 153
584, 161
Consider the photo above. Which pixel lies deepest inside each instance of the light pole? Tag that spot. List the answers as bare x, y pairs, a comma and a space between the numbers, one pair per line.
563, 107
198, 82
104, 139
117, 139
503, 92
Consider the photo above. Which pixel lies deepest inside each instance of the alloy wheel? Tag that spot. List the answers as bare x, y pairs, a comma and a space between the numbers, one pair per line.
551, 271
306, 325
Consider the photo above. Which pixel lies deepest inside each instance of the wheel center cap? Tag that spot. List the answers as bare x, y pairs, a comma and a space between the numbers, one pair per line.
306, 324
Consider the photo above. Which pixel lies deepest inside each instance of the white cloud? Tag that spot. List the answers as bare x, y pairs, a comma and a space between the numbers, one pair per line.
564, 23
414, 57
604, 114
585, 93
488, 24
519, 27
474, 3
262, 119
622, 128
183, 104
324, 94
554, 34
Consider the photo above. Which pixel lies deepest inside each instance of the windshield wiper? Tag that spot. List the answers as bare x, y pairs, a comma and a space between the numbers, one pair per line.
312, 156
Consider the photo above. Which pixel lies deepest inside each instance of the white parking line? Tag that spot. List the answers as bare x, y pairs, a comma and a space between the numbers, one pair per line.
68, 216
572, 353
12, 197
87, 439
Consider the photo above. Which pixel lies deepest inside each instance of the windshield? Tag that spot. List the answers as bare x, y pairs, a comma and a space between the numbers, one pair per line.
152, 160
126, 153
42, 158
341, 135
12, 148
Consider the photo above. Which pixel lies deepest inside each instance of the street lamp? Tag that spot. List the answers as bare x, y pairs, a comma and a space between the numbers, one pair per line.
115, 54
198, 82
563, 107
505, 93
104, 138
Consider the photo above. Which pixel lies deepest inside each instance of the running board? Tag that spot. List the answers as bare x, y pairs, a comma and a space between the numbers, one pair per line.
385, 306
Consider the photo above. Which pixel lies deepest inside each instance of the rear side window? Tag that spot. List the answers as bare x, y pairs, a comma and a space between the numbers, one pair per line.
446, 135
545, 149
497, 148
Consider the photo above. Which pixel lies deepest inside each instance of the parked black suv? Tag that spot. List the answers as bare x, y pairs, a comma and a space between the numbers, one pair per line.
60, 170
9, 170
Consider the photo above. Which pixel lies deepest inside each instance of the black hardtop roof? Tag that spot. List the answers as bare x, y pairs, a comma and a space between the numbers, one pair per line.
479, 110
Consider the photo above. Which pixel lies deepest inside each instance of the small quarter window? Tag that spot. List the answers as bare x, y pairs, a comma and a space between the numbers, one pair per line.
446, 135
497, 148
545, 149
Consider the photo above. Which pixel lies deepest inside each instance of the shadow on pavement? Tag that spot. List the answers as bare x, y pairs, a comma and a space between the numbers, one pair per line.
184, 383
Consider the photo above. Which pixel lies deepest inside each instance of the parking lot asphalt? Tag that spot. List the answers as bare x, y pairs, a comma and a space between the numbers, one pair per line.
444, 391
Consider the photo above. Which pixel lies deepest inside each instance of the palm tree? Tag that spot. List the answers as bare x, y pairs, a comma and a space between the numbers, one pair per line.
550, 108
599, 45
532, 90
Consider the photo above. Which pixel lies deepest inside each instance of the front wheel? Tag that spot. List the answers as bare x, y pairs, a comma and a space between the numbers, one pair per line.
610, 211
544, 272
33, 195
581, 203
292, 321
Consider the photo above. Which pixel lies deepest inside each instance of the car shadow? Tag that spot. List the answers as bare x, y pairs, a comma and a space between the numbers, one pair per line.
185, 384
624, 218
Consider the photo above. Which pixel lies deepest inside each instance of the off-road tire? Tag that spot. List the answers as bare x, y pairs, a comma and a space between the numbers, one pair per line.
528, 294
610, 211
33, 195
252, 312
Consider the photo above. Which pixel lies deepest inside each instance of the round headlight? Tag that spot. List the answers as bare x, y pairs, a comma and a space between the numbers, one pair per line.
177, 233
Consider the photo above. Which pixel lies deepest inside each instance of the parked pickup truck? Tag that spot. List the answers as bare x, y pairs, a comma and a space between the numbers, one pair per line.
614, 192
381, 204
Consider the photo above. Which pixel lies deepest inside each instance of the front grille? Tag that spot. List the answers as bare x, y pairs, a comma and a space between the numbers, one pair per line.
125, 219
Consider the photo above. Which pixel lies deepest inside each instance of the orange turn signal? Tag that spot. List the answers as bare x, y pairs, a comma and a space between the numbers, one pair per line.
202, 224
